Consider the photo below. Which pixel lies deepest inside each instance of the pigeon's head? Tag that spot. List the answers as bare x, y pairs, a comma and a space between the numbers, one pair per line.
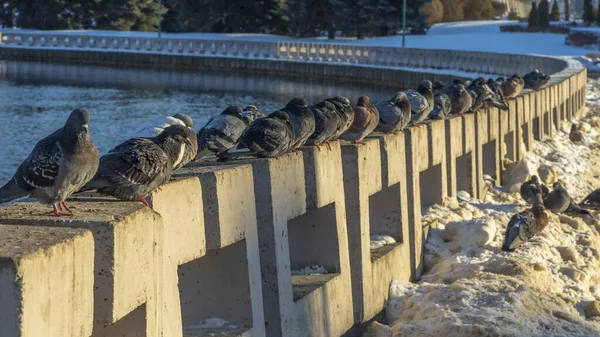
251, 108
342, 100
363, 100
535, 180
297, 102
457, 81
438, 85
500, 79
479, 81
233, 110
535, 71
281, 115
460, 89
399, 97
425, 86
557, 186
173, 140
573, 127
79, 118
187, 120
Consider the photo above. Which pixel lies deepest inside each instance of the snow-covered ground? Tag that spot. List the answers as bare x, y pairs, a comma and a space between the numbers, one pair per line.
550, 286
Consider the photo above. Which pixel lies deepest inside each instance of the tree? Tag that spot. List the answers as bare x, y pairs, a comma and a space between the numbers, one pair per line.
554, 12
567, 10
478, 10
533, 21
588, 12
499, 8
433, 12
513, 15
454, 10
598, 15
544, 14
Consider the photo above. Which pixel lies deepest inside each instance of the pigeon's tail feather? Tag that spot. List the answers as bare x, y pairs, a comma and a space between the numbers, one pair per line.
237, 151
11, 191
94, 184
500, 104
203, 153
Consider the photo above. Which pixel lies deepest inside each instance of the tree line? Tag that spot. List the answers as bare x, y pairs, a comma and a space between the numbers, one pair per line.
302, 18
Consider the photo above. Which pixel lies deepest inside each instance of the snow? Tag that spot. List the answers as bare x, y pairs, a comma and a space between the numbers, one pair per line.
548, 287
310, 270
378, 241
214, 323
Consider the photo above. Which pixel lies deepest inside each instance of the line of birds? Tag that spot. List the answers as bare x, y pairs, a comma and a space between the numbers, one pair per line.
67, 161
525, 225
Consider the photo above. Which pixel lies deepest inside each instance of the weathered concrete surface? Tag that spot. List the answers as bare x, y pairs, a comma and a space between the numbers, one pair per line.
46, 281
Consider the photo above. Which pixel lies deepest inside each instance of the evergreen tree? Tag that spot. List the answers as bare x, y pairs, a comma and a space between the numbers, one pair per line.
567, 10
136, 15
544, 14
588, 12
598, 15
554, 12
533, 21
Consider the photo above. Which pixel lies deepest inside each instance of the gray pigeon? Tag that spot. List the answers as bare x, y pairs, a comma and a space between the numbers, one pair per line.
155, 130
221, 132
138, 166
592, 200
483, 96
327, 122
250, 114
394, 114
345, 112
535, 80
301, 119
267, 137
57, 167
512, 86
558, 200
366, 118
460, 99
524, 226
531, 191
442, 106
421, 102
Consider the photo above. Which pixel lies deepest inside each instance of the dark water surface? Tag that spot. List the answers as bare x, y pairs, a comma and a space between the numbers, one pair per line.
36, 98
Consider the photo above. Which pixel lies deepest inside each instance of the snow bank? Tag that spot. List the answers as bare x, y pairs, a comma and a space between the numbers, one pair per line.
548, 287
310, 270
378, 241
214, 323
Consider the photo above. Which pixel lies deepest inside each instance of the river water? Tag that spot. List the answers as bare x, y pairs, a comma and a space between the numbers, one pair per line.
36, 98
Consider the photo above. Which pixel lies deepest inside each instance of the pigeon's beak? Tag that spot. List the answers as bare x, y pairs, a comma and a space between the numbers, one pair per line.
512, 240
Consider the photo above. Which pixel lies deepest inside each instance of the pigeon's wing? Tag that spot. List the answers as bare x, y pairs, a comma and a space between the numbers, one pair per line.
41, 168
137, 161
418, 103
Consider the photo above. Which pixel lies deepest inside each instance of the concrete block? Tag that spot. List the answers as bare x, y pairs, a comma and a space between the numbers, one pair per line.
460, 155
127, 257
46, 281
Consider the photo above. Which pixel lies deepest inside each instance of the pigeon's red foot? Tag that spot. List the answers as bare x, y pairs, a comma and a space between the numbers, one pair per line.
158, 189
62, 205
318, 147
328, 145
358, 142
143, 201
57, 212
172, 179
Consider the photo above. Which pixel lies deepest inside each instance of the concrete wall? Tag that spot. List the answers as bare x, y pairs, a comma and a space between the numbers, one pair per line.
222, 239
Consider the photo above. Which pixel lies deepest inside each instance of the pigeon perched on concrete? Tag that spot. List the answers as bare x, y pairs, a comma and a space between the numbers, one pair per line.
523, 226
592, 200
345, 113
221, 132
421, 102
535, 80
251, 113
438, 86
483, 96
301, 119
394, 114
512, 86
531, 191
366, 118
327, 123
57, 166
155, 130
442, 106
558, 200
460, 99
138, 166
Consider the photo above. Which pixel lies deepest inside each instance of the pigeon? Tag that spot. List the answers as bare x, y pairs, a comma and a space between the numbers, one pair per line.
327, 123
251, 113
575, 135
438, 86
266, 137
592, 200
345, 113
221, 132
483, 96
558, 200
460, 99
394, 114
155, 130
531, 191
512, 86
421, 102
493, 85
138, 166
442, 106
302, 121
523, 226
575, 210
57, 166
366, 118
535, 80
